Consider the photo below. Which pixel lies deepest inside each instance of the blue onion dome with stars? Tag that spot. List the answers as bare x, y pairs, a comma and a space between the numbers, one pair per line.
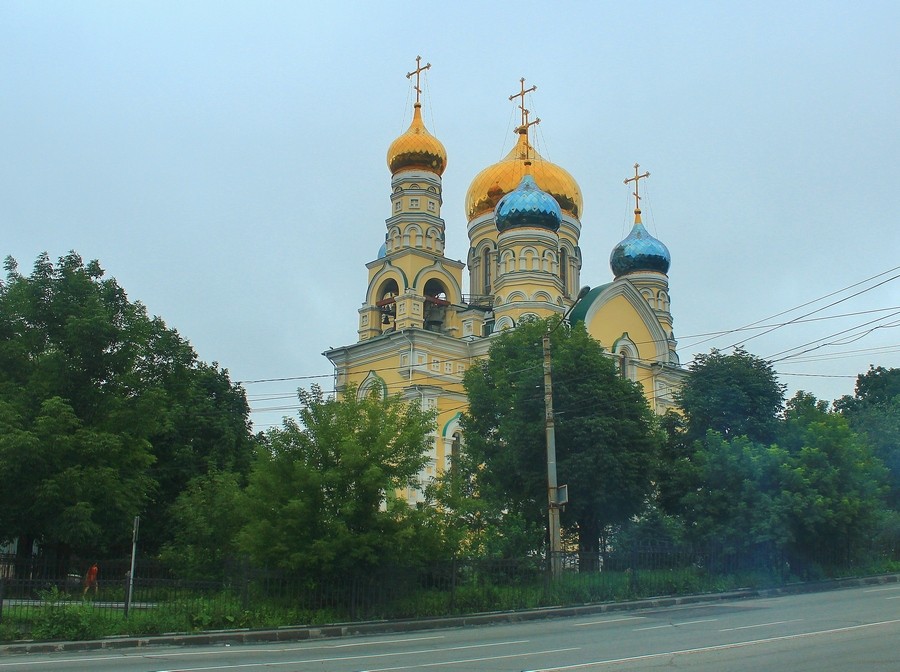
527, 207
639, 252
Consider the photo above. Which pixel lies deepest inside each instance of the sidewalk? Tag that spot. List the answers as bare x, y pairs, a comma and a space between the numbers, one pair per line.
300, 633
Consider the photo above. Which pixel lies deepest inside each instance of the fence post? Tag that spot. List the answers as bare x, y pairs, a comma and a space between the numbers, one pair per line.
453, 585
634, 564
130, 587
245, 583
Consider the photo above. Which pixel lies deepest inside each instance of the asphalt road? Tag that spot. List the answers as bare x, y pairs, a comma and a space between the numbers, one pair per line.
849, 630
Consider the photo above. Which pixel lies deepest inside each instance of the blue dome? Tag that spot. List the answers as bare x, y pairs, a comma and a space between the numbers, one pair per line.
382, 251
527, 207
639, 252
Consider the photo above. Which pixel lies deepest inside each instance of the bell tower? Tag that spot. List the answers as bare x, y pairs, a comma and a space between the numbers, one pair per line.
411, 284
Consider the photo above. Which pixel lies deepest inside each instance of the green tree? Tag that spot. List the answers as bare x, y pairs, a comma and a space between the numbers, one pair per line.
733, 497
833, 484
322, 495
106, 413
874, 413
734, 395
206, 519
606, 436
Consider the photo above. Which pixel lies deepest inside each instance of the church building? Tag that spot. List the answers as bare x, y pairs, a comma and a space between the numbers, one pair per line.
418, 332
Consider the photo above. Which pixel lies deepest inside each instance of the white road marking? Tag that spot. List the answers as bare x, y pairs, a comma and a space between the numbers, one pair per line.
706, 649
760, 625
305, 661
612, 620
153, 655
881, 590
473, 660
675, 625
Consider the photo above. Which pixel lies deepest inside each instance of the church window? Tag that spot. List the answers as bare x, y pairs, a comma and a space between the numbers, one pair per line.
662, 300
564, 270
414, 203
627, 352
397, 206
486, 263
448, 367
454, 450
431, 206
460, 369
436, 303
373, 385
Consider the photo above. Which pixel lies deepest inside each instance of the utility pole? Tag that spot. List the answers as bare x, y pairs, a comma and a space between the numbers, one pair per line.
553, 503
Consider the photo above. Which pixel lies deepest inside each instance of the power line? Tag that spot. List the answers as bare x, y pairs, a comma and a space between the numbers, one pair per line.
803, 305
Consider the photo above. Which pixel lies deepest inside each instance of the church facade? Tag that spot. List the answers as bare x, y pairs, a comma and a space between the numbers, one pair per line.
418, 331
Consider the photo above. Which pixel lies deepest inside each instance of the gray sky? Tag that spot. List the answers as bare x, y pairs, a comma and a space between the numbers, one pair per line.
226, 161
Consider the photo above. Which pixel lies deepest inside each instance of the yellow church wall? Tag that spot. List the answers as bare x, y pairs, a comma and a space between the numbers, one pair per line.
616, 317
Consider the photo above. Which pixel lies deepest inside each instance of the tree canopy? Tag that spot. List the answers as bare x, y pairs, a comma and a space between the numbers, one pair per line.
737, 472
322, 491
606, 436
105, 412
874, 413
734, 395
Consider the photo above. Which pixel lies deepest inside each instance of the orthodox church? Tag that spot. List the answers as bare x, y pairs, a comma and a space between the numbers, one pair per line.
418, 332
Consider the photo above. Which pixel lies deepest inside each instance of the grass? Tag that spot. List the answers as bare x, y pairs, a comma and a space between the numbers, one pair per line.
57, 616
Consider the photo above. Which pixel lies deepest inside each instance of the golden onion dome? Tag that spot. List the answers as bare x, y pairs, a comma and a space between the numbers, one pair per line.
417, 148
494, 182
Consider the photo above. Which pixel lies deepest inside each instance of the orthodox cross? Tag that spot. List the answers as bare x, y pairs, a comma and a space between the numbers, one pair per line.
417, 72
636, 179
521, 94
527, 124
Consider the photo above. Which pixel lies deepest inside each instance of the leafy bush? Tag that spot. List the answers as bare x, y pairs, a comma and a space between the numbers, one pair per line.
59, 618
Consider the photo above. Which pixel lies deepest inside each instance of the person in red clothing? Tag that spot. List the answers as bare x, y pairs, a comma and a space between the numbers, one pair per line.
90, 579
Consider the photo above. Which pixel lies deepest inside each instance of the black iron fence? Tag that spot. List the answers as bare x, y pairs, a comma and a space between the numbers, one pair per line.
46, 599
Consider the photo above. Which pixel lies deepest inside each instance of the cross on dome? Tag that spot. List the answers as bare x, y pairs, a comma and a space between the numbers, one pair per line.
636, 179
523, 128
417, 72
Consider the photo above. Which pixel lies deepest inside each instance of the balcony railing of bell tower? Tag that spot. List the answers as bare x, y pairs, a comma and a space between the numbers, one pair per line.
485, 301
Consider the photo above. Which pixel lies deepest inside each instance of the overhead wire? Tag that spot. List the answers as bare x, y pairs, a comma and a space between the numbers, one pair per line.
808, 303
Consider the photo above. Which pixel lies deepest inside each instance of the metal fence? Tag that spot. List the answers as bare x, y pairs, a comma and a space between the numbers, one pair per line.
250, 596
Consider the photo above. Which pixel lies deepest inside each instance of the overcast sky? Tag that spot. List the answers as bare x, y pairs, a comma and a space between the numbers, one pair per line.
225, 161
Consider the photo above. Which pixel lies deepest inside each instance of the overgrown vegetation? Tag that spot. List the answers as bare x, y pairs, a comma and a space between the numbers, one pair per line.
486, 587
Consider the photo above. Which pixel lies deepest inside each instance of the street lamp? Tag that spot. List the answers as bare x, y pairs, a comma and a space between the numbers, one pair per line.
552, 487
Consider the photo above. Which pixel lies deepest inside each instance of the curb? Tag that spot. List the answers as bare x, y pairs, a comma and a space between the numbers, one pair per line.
301, 633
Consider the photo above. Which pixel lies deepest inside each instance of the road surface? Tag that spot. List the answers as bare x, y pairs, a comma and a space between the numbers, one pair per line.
845, 630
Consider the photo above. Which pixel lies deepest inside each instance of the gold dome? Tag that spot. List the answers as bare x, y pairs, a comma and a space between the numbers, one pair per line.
494, 182
417, 148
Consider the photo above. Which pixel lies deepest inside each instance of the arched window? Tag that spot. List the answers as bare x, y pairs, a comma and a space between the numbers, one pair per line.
372, 385
436, 302
486, 271
627, 352
455, 447
386, 303
662, 300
